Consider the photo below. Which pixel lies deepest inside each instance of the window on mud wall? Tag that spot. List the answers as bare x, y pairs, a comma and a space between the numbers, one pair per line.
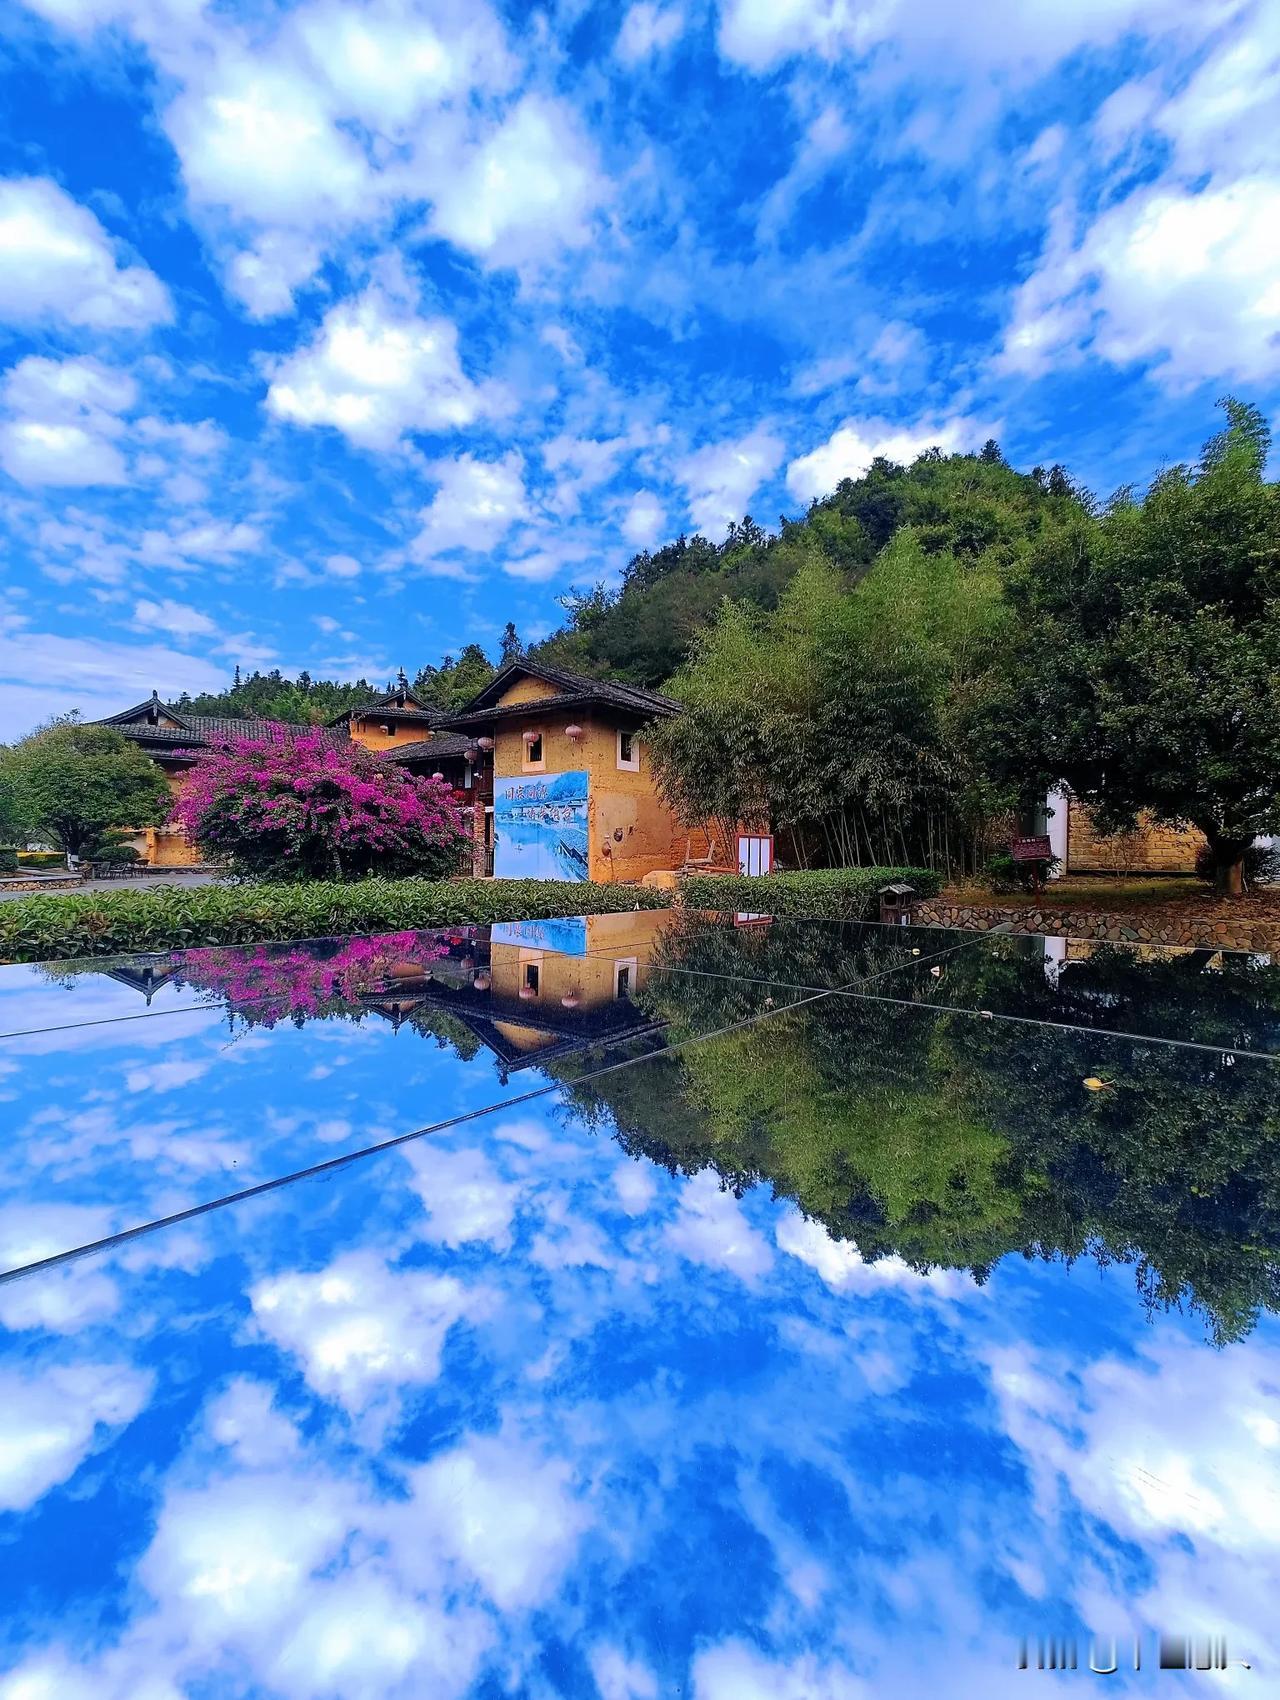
533, 756
531, 976
624, 977
628, 752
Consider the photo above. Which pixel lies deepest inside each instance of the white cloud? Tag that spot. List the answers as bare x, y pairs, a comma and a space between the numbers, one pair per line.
843, 1267
1183, 279
386, 62
62, 421
180, 621
1021, 39
48, 1427
722, 478
850, 449
375, 371
645, 519
258, 139
266, 274
648, 29
476, 505
522, 193
58, 263
96, 676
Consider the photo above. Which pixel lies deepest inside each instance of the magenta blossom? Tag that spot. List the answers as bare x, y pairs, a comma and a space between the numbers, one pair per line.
305, 805
269, 983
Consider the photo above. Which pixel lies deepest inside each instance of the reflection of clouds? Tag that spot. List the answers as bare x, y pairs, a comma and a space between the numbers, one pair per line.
485, 1399
50, 1425
503, 1513
1173, 1451
737, 1671
618, 1677
463, 1195
167, 1076
361, 1329
842, 1266
710, 1228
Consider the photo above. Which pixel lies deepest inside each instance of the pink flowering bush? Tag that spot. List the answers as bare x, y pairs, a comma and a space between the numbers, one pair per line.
265, 983
299, 806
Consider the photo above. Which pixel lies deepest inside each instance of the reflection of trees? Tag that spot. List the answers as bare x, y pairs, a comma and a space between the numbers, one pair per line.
953, 1141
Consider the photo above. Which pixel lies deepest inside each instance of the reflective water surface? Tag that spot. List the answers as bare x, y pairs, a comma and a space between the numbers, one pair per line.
785, 1309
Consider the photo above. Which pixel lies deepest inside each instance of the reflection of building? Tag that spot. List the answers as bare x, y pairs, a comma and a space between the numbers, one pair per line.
534, 992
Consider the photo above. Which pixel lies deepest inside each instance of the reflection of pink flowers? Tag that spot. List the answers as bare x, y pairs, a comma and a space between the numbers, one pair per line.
303, 803
268, 984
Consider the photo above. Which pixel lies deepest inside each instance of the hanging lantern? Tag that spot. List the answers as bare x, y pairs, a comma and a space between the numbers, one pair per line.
573, 733
527, 992
472, 753
570, 1000
484, 743
532, 737
481, 982
437, 775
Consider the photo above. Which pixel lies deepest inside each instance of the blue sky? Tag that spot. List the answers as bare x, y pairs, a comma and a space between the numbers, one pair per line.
335, 336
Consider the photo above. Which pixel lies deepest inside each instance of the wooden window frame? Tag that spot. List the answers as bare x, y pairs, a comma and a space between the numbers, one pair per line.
632, 766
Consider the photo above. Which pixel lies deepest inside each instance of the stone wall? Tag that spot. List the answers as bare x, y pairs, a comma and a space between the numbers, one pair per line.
1151, 850
1243, 934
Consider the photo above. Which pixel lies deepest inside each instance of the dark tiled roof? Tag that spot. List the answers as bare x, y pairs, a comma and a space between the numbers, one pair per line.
193, 731
397, 705
443, 746
574, 688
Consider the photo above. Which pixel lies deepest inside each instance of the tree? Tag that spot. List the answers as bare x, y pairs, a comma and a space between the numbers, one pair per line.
1147, 672
15, 804
512, 648
303, 807
82, 781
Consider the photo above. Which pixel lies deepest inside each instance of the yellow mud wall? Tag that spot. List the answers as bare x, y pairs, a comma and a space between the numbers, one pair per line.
1150, 850
369, 733
630, 830
591, 980
527, 690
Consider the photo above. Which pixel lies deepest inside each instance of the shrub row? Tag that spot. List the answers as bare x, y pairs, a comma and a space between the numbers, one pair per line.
851, 894
166, 917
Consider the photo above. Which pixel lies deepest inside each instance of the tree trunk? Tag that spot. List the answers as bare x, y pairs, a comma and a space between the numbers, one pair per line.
1228, 863
1228, 877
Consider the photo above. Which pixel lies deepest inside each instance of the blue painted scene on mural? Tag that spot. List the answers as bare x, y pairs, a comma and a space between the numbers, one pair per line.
540, 822
813, 1311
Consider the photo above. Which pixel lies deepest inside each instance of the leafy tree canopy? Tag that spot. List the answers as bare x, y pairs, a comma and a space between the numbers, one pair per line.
1146, 667
77, 782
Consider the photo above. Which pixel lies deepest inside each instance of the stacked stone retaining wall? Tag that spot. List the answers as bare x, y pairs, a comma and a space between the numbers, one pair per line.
1243, 934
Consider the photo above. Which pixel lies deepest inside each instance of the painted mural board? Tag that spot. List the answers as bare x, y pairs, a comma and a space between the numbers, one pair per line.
566, 935
541, 825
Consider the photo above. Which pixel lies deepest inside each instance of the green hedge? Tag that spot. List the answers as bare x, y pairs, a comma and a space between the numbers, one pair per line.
851, 894
166, 917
